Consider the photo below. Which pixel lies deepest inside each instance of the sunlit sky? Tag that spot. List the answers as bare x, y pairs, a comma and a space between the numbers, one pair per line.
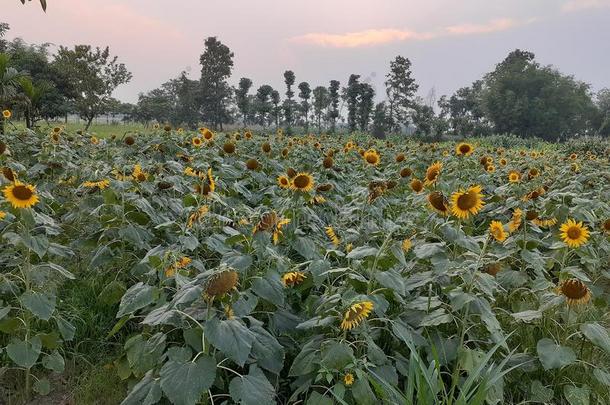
450, 43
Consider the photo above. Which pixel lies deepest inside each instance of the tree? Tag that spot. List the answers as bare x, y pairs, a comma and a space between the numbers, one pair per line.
333, 114
9, 84
321, 101
524, 98
186, 110
467, 115
277, 110
156, 105
4, 27
43, 4
351, 94
305, 95
365, 105
400, 90
241, 98
289, 79
423, 118
263, 104
216, 66
380, 121
94, 75
602, 122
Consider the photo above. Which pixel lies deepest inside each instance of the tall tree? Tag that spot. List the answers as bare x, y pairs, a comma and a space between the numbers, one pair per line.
277, 110
333, 114
380, 121
305, 95
289, 79
94, 74
321, 101
241, 98
216, 66
263, 104
365, 105
9, 84
351, 94
602, 123
400, 90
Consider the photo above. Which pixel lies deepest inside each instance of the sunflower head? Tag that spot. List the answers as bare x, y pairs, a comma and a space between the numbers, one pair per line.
355, 314
6, 114
348, 379
371, 157
221, 283
322, 188
252, 164
400, 157
574, 234
493, 268
606, 226
464, 149
293, 278
514, 176
433, 172
302, 182
266, 147
327, 162
406, 245
248, 135
496, 229
416, 185
465, 203
129, 140
533, 173
8, 173
283, 181
196, 141
229, 147
575, 291
291, 172
438, 202
21, 195
406, 172
330, 232
2, 148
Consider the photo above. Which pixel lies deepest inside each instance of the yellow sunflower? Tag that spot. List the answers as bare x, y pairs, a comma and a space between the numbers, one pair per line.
514, 176
330, 232
573, 233
406, 245
496, 229
101, 184
372, 157
356, 314
302, 182
2, 215
464, 149
197, 215
348, 379
283, 181
196, 141
416, 185
138, 174
467, 202
293, 278
438, 202
7, 114
433, 172
21, 195
575, 291
94, 140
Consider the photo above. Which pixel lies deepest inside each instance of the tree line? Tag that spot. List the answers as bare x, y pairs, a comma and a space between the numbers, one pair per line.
520, 96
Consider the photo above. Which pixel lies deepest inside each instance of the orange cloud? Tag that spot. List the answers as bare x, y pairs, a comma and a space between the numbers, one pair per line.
578, 5
388, 35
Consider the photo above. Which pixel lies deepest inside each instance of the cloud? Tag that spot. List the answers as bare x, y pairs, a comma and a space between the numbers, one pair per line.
579, 5
383, 36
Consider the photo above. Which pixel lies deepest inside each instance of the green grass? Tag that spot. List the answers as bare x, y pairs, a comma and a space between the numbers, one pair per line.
100, 130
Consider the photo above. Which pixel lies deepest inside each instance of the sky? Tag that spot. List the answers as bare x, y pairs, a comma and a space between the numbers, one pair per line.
450, 43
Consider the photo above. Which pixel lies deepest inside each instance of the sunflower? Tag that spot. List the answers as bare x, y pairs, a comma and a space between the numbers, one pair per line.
514, 176
503, 162
574, 234
302, 182
372, 157
322, 188
266, 147
400, 157
493, 268
221, 283
138, 174
2, 215
206, 133
21, 195
406, 245
196, 141
464, 149
490, 168
575, 291
606, 226
348, 379
533, 173
496, 229
356, 314
8, 173
248, 135
7, 114
252, 164
433, 172
515, 222
544, 223
327, 162
197, 215
467, 202
101, 184
330, 232
283, 181
293, 278
406, 172
416, 185
209, 185
573, 156
179, 264
94, 140
229, 147
438, 202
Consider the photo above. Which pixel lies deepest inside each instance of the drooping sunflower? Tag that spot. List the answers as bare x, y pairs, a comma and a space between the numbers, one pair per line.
229, 148
406, 245
8, 173
221, 283
138, 174
179, 264
327, 162
252, 164
515, 222
356, 314
293, 278
496, 229
464, 149
302, 182
197, 215
330, 232
101, 184
575, 291
493, 268
21, 195
416, 185
533, 173
465, 203
94, 140
514, 176
405, 172
574, 234
438, 202
433, 172
2, 215
266, 147
196, 141
372, 157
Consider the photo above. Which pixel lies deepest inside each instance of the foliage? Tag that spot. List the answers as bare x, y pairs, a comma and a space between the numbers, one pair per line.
216, 66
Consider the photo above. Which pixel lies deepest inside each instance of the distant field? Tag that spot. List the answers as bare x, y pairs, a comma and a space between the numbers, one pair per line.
101, 130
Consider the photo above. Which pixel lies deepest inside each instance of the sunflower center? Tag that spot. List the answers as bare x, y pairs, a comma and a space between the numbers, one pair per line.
464, 148
301, 181
22, 193
574, 232
467, 200
574, 289
371, 158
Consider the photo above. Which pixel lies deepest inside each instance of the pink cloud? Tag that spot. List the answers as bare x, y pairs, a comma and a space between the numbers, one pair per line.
578, 5
373, 37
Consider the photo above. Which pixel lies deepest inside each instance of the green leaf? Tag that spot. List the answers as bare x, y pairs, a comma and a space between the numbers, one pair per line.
66, 329
184, 382
267, 351
144, 355
363, 395
39, 304
361, 252
527, 316
337, 355
57, 268
42, 386
553, 356
602, 376
307, 359
252, 389
25, 353
137, 297
269, 288
230, 337
577, 396
540, 393
146, 392
596, 334
4, 311
39, 244
428, 250
54, 361
112, 293
318, 399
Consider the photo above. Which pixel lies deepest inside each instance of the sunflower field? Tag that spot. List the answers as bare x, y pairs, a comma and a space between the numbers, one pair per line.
334, 269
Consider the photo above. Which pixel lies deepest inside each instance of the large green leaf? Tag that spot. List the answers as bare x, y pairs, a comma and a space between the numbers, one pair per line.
252, 389
39, 304
183, 382
231, 337
337, 355
577, 395
25, 353
362, 251
552, 355
146, 392
596, 334
267, 351
137, 297
54, 361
